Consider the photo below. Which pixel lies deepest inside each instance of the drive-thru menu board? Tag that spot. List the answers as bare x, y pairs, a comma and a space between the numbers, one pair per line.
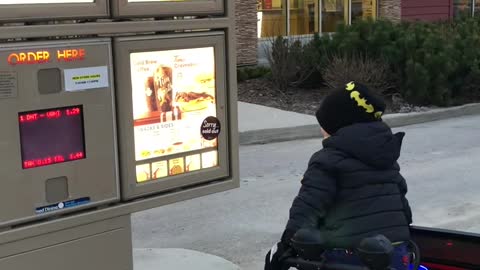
58, 145
44, 10
173, 93
159, 8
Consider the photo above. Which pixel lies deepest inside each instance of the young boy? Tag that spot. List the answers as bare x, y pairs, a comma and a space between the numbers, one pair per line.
352, 188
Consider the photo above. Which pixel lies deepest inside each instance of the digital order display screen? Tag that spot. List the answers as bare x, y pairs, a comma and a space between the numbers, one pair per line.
51, 136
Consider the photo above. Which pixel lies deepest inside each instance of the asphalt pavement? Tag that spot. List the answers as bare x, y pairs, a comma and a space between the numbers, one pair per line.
440, 161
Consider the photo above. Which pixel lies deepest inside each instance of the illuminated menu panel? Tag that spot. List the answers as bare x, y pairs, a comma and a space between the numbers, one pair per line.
51, 136
22, 2
174, 107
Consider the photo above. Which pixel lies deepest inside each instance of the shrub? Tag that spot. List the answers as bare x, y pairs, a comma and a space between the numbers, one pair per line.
425, 63
291, 62
257, 72
241, 75
374, 73
429, 63
248, 73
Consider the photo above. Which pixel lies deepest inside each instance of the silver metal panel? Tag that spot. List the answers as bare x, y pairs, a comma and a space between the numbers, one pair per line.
105, 244
36, 12
87, 217
24, 190
111, 28
129, 8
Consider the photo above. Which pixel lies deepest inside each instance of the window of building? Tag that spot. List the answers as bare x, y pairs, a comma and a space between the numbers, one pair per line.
334, 13
476, 7
462, 8
363, 9
303, 17
271, 18
466, 8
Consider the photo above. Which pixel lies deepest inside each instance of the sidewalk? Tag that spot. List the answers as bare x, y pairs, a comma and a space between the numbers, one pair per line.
178, 259
260, 124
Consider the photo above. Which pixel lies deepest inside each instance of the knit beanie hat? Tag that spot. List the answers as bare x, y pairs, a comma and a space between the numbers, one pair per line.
349, 105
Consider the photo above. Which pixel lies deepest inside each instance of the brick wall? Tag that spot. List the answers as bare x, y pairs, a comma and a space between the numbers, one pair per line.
390, 9
246, 31
427, 10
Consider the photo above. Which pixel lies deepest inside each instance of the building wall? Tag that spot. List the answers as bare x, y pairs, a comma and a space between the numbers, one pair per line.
246, 31
395, 10
390, 9
427, 10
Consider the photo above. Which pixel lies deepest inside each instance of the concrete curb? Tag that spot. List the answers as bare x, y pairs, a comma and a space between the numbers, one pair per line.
263, 136
405, 119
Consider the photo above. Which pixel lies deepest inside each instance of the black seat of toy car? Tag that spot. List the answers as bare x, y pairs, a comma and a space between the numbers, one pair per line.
309, 243
375, 252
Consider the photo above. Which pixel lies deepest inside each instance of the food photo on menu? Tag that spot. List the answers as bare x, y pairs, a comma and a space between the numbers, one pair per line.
173, 92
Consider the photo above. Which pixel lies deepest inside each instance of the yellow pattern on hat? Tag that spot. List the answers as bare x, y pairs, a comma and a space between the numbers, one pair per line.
362, 102
378, 115
350, 86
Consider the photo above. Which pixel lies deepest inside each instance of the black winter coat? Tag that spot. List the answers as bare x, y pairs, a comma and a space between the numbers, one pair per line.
353, 188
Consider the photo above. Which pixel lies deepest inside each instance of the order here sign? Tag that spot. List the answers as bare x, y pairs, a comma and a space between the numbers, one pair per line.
40, 57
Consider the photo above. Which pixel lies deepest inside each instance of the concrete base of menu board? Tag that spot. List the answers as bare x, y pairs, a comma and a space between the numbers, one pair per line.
102, 245
98, 239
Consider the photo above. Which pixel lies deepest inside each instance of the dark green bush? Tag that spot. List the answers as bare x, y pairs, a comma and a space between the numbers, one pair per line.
429, 63
291, 62
248, 73
257, 72
241, 75
374, 73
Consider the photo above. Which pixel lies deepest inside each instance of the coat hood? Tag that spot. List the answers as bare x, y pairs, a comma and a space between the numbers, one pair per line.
372, 143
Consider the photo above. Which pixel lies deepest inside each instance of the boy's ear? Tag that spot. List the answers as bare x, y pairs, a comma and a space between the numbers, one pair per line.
324, 133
